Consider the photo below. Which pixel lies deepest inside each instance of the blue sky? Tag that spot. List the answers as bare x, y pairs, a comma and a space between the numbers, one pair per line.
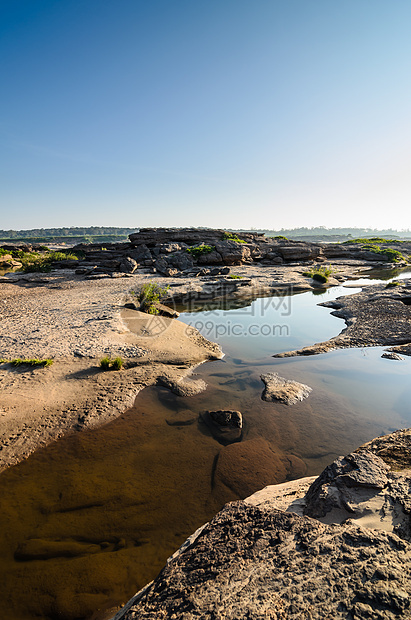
228, 113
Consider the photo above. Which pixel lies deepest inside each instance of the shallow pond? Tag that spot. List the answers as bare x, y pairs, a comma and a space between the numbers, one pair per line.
90, 519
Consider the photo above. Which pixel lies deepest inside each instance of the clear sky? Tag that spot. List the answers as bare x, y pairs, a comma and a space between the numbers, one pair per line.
228, 113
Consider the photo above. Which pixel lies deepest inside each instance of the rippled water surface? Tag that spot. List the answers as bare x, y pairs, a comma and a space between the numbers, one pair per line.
87, 521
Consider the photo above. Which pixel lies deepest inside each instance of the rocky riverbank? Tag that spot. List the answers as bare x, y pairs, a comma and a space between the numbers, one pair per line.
379, 315
333, 547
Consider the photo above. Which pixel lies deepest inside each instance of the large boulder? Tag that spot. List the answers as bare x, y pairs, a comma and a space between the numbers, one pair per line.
370, 486
140, 253
192, 236
210, 258
299, 252
128, 265
181, 261
233, 252
163, 267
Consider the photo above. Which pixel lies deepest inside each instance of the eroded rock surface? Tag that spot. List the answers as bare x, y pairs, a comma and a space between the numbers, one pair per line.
254, 563
225, 425
283, 390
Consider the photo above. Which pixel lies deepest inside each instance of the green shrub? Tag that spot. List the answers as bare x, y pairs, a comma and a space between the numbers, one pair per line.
105, 363
392, 256
199, 250
108, 364
320, 274
393, 284
232, 237
151, 294
41, 261
117, 363
281, 237
234, 277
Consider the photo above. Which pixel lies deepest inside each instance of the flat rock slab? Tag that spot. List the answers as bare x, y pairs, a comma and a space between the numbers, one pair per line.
283, 390
265, 564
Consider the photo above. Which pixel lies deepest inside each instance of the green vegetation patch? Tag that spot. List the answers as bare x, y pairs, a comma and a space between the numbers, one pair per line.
108, 364
235, 277
227, 236
320, 274
149, 295
198, 250
392, 256
40, 260
373, 240
34, 363
393, 284
280, 237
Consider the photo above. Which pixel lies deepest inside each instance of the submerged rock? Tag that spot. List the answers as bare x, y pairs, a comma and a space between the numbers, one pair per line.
225, 425
284, 390
244, 467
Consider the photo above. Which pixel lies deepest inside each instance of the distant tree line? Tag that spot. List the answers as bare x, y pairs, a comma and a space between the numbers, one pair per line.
323, 231
75, 234
73, 231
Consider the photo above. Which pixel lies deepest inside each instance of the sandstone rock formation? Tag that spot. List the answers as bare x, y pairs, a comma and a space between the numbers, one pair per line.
167, 251
283, 390
377, 316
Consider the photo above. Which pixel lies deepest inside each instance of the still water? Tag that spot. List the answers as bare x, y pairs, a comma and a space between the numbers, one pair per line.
87, 521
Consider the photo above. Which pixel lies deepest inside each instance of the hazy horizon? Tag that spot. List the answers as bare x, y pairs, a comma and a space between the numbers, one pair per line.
225, 114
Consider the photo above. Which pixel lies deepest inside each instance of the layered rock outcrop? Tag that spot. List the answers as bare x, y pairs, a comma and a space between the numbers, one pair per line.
185, 251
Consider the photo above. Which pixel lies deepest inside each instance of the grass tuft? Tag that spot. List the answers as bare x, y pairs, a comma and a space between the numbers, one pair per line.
320, 274
199, 250
393, 284
149, 295
30, 362
227, 236
108, 364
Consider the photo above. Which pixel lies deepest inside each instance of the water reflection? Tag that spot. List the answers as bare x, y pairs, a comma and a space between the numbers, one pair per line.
269, 325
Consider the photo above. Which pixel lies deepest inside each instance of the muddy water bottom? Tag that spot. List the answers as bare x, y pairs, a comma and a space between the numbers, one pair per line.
87, 521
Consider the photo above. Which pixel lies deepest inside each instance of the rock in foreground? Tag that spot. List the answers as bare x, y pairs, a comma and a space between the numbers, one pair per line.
253, 563
283, 390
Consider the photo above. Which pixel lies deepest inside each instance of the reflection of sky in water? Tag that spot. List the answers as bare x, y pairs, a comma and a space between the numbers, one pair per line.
271, 324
